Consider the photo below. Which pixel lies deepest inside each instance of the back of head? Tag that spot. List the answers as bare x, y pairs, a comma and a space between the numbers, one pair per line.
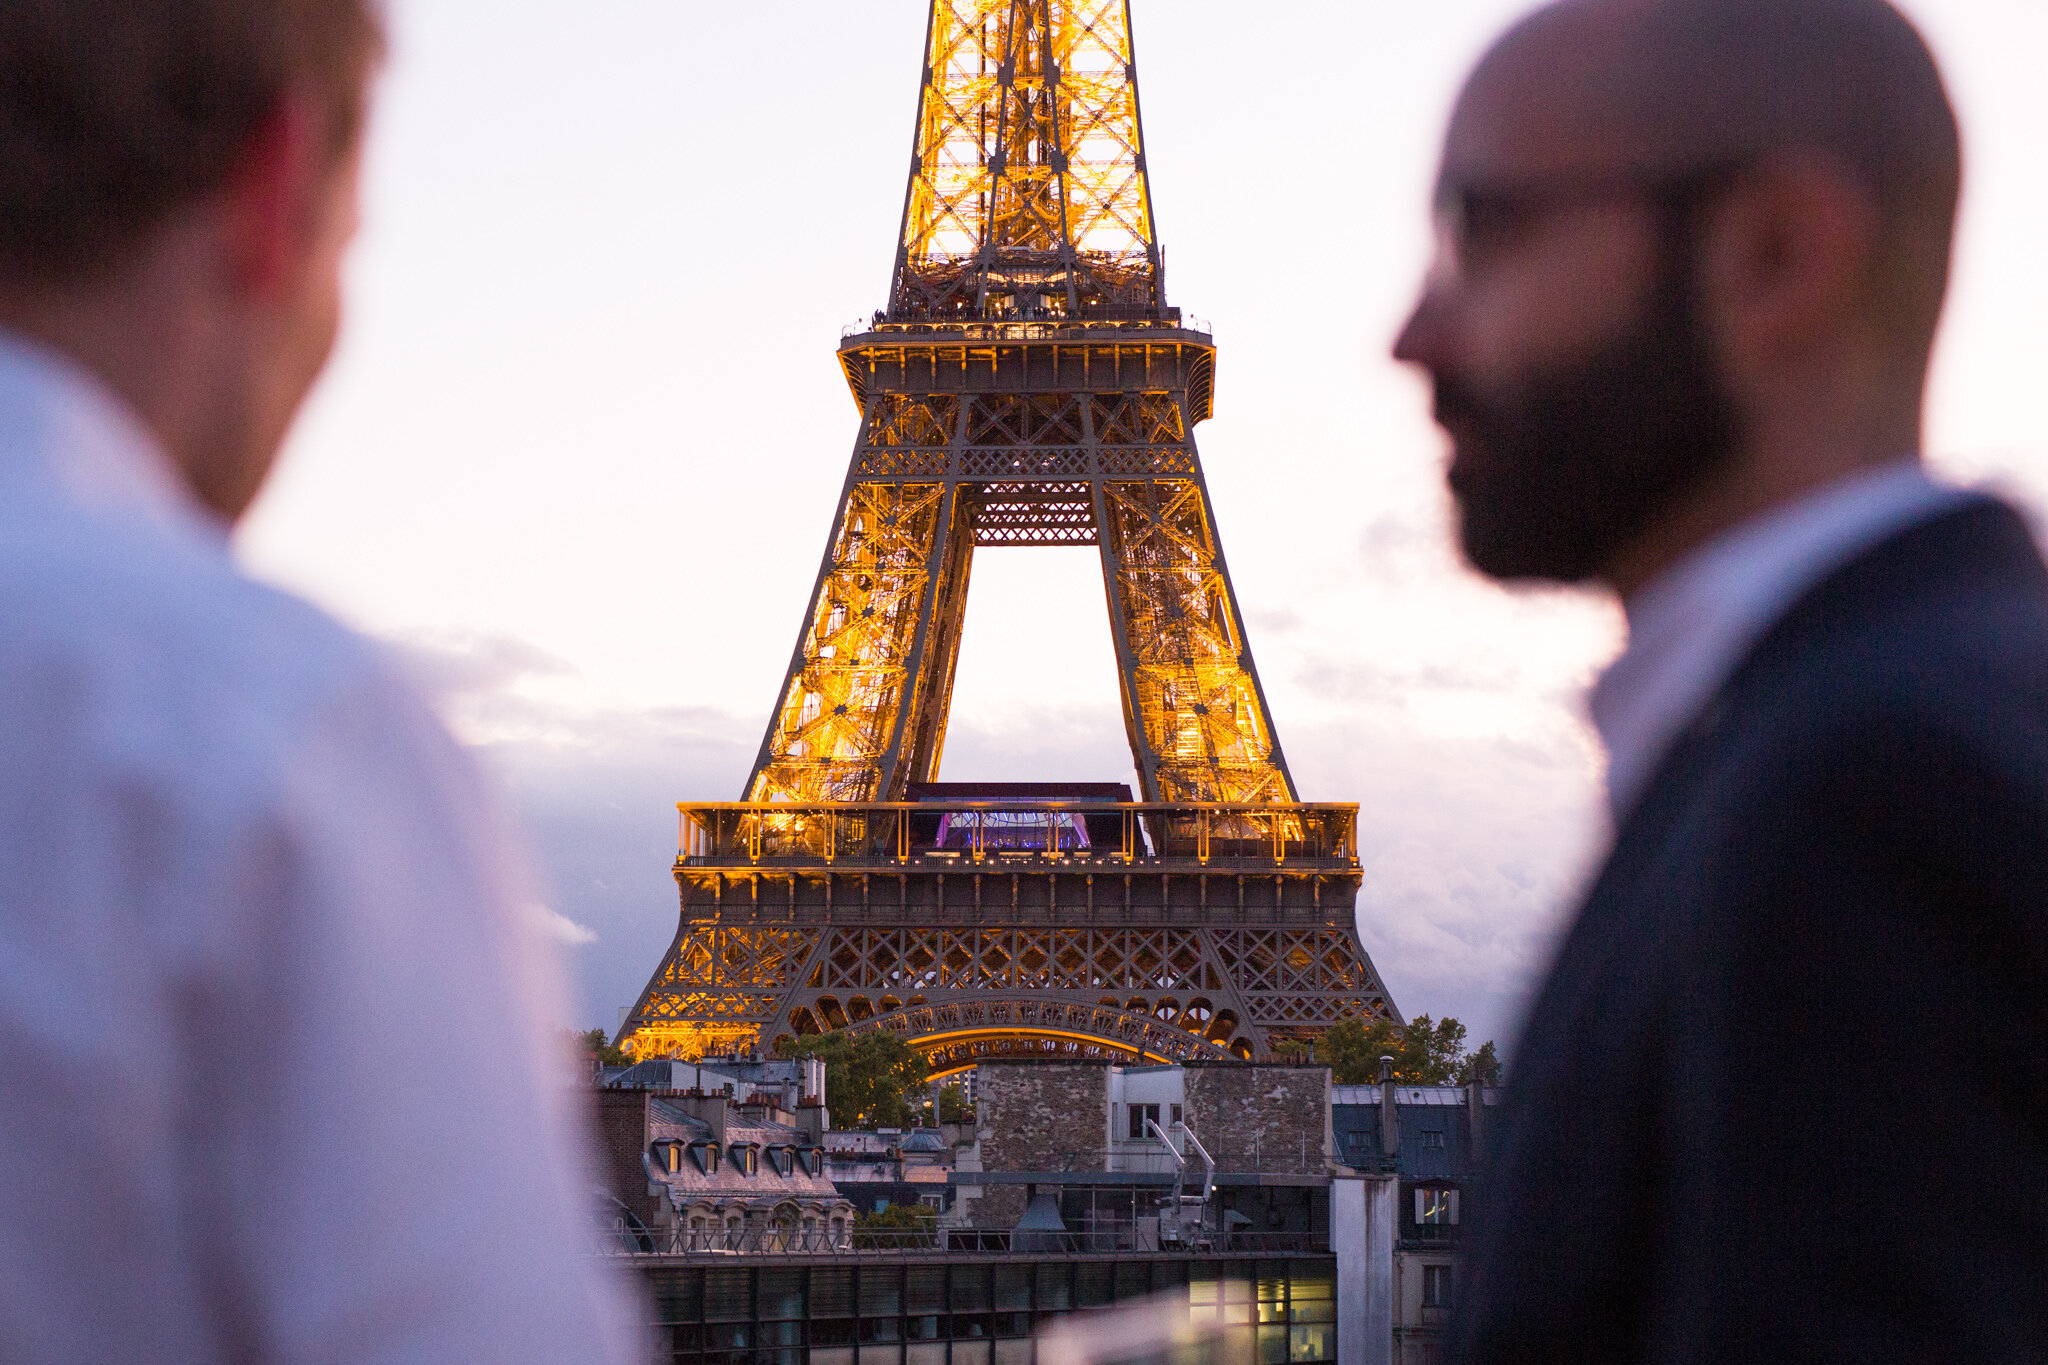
115, 113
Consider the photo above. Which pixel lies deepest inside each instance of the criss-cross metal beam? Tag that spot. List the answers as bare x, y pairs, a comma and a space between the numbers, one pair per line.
1026, 385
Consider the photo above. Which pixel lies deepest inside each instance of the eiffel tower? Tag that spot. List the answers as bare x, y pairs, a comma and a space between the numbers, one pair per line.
1026, 385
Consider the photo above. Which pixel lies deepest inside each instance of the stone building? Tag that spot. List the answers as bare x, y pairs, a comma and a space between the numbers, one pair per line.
699, 1172
1092, 1130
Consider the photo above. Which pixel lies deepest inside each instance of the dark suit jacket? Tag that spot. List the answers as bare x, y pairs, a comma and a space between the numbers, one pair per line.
1785, 1094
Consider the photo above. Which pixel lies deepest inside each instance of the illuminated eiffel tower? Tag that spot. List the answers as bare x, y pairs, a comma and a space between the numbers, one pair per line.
1027, 385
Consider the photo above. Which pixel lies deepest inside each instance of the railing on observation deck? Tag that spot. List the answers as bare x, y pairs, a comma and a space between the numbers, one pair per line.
1003, 833
620, 1238
1027, 328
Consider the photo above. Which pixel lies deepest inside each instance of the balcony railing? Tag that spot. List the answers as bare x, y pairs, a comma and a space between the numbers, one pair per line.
1094, 325
984, 833
620, 1239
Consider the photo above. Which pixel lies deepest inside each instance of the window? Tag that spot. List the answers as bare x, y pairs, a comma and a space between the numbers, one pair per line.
672, 1157
1175, 1116
1139, 1114
1433, 1137
1436, 1208
1436, 1286
932, 1201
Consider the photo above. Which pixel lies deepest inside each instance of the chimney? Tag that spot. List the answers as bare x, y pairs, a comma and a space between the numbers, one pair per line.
812, 1117
813, 1086
1390, 1117
1475, 1105
710, 1108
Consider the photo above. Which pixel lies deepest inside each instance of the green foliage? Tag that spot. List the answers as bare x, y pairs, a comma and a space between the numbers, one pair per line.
595, 1040
1425, 1052
953, 1107
1293, 1050
899, 1225
872, 1081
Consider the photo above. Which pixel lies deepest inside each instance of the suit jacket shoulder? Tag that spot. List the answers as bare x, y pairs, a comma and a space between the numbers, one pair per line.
1833, 895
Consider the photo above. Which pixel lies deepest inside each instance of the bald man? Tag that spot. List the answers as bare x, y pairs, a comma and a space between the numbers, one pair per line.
1785, 1094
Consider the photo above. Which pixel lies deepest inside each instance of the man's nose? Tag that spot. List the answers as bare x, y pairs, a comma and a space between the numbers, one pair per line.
1423, 336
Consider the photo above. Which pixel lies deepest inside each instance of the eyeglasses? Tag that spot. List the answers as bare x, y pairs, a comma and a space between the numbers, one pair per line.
1478, 225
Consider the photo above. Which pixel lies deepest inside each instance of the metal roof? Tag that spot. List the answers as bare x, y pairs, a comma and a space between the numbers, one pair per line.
1408, 1094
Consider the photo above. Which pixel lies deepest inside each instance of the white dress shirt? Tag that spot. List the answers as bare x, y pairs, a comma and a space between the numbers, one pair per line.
1691, 626
275, 1083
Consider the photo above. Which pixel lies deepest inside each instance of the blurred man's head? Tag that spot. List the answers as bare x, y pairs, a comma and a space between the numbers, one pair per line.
1691, 259
177, 182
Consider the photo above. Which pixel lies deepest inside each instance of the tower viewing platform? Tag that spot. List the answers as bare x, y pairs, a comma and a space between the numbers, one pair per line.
981, 922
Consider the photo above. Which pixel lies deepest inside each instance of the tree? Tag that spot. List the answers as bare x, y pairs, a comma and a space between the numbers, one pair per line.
872, 1081
587, 1041
953, 1107
896, 1228
1425, 1052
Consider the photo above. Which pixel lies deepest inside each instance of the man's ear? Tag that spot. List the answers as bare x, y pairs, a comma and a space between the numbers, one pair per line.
273, 195
1786, 256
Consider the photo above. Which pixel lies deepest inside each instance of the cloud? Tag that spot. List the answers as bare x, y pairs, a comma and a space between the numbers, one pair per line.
559, 926
460, 663
596, 789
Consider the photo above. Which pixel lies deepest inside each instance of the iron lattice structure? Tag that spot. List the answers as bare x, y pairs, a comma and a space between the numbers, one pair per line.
1026, 385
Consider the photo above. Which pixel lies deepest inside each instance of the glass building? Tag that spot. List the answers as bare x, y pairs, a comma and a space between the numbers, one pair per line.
975, 1309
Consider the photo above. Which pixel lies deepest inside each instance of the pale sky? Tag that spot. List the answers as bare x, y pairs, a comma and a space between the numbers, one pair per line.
580, 447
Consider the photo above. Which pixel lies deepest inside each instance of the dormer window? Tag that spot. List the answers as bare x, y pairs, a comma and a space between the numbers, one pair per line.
674, 1156
745, 1159
705, 1154
785, 1161
814, 1160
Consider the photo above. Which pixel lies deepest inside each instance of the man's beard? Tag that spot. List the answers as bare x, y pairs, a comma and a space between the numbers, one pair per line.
1555, 477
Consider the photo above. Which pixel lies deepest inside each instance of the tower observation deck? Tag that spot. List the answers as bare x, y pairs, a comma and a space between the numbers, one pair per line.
1027, 384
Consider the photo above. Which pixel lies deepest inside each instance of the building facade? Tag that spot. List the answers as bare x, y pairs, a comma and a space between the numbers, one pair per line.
1116, 1144
690, 1170
1306, 1222
1428, 1140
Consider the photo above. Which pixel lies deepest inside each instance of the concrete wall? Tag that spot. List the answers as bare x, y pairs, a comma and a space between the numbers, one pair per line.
1363, 1213
1261, 1116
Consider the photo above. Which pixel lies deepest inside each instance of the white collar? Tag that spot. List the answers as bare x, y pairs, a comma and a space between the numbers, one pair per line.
1691, 626
60, 425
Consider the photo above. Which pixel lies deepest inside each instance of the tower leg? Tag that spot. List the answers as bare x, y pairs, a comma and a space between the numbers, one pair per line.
1201, 730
